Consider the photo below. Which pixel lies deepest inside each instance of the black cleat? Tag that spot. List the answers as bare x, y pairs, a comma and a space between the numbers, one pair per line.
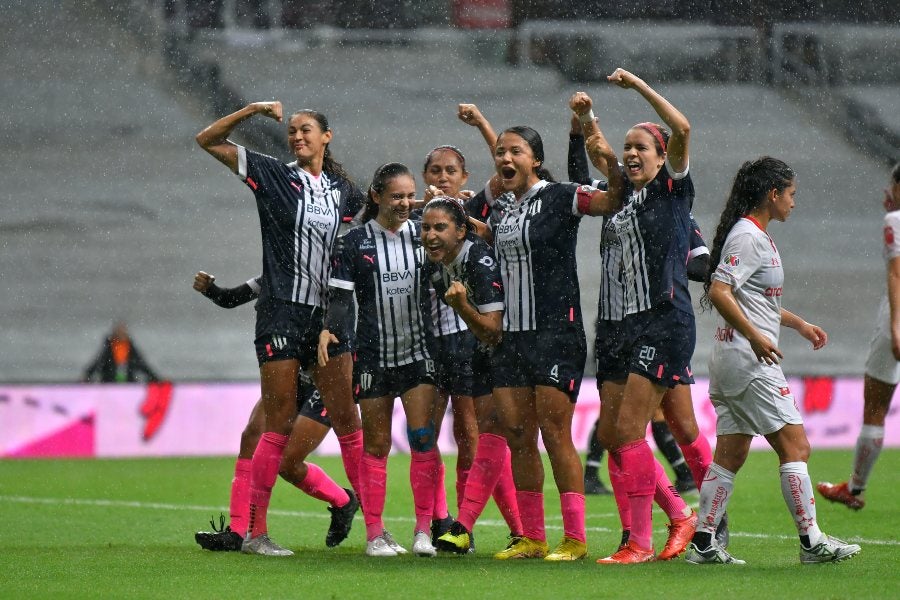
685, 486
341, 520
221, 539
439, 527
594, 487
722, 535
457, 539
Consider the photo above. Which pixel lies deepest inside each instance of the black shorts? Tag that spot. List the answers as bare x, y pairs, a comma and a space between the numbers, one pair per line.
371, 381
611, 363
309, 402
287, 330
482, 373
659, 344
453, 362
553, 358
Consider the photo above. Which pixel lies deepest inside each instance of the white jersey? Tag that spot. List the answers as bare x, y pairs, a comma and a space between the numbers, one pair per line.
751, 265
880, 362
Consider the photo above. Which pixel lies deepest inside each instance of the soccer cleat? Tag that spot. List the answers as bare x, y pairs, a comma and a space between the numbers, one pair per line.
392, 542
422, 545
341, 521
263, 546
626, 535
471, 542
439, 527
630, 554
840, 492
457, 540
220, 539
680, 533
379, 547
723, 537
523, 547
594, 487
568, 549
714, 555
830, 549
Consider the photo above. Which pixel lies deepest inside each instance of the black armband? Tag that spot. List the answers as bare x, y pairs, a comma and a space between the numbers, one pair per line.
230, 297
339, 303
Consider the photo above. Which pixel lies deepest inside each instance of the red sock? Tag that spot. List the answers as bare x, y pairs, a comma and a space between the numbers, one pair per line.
462, 476
373, 476
319, 485
666, 496
423, 473
240, 497
531, 508
572, 505
263, 473
440, 493
698, 456
636, 460
620, 491
505, 495
351, 452
483, 477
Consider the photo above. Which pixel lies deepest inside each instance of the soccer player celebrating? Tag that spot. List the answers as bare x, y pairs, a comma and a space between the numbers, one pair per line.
747, 386
882, 365
381, 262
300, 206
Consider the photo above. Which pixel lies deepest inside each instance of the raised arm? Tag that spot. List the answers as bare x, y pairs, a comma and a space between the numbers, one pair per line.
214, 139
470, 115
224, 297
582, 105
677, 148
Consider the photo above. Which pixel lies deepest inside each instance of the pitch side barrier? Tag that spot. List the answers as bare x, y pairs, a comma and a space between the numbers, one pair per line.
206, 419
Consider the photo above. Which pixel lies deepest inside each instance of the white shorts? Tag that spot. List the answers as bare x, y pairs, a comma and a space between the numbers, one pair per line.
766, 406
881, 364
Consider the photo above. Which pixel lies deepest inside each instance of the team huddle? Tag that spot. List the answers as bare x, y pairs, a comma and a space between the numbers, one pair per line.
472, 300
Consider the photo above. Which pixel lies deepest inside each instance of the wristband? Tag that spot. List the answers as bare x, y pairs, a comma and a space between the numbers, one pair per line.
586, 117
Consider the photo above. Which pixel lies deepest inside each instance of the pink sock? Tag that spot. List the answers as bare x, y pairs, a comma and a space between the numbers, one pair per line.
698, 456
462, 476
531, 507
351, 452
240, 497
620, 491
373, 477
440, 493
667, 497
263, 473
572, 505
505, 494
319, 485
423, 472
636, 460
483, 477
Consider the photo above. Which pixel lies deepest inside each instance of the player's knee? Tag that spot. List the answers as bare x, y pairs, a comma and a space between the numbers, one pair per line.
421, 439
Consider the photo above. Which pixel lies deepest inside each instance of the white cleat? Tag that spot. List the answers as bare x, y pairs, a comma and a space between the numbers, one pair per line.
263, 546
714, 555
829, 549
393, 543
379, 547
422, 545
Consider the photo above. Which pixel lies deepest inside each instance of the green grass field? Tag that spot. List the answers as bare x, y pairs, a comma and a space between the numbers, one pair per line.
124, 529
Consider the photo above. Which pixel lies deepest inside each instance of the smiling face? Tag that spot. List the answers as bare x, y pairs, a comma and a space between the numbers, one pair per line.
445, 171
307, 139
515, 163
395, 202
442, 237
641, 158
782, 203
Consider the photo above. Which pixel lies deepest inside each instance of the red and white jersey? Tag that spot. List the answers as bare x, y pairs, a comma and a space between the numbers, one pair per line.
751, 265
891, 235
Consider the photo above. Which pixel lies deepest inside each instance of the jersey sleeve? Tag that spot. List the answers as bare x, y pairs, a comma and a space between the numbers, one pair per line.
257, 170
355, 202
255, 284
698, 244
344, 261
581, 200
477, 206
484, 278
740, 259
892, 235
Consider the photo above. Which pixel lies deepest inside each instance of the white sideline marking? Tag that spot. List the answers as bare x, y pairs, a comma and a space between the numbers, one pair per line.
325, 515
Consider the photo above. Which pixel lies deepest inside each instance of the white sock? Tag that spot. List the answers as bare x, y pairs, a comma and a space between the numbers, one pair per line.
798, 495
868, 447
718, 484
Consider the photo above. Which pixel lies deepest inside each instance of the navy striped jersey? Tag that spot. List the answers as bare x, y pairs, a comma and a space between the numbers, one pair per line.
299, 216
384, 268
476, 268
654, 230
534, 241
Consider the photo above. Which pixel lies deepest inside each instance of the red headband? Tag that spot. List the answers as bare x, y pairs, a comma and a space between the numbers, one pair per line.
653, 130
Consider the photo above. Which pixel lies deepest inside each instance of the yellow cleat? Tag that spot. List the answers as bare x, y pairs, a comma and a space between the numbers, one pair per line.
523, 547
568, 549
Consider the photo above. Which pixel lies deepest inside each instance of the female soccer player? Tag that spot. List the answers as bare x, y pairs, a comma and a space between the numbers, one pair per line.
299, 208
538, 365
747, 386
882, 365
381, 261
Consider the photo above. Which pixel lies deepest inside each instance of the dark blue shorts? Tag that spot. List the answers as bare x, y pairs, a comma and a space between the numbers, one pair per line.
658, 344
309, 402
453, 355
482, 373
611, 362
287, 330
370, 381
553, 358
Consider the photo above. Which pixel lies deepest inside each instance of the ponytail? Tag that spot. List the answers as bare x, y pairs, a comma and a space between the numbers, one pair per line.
380, 179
